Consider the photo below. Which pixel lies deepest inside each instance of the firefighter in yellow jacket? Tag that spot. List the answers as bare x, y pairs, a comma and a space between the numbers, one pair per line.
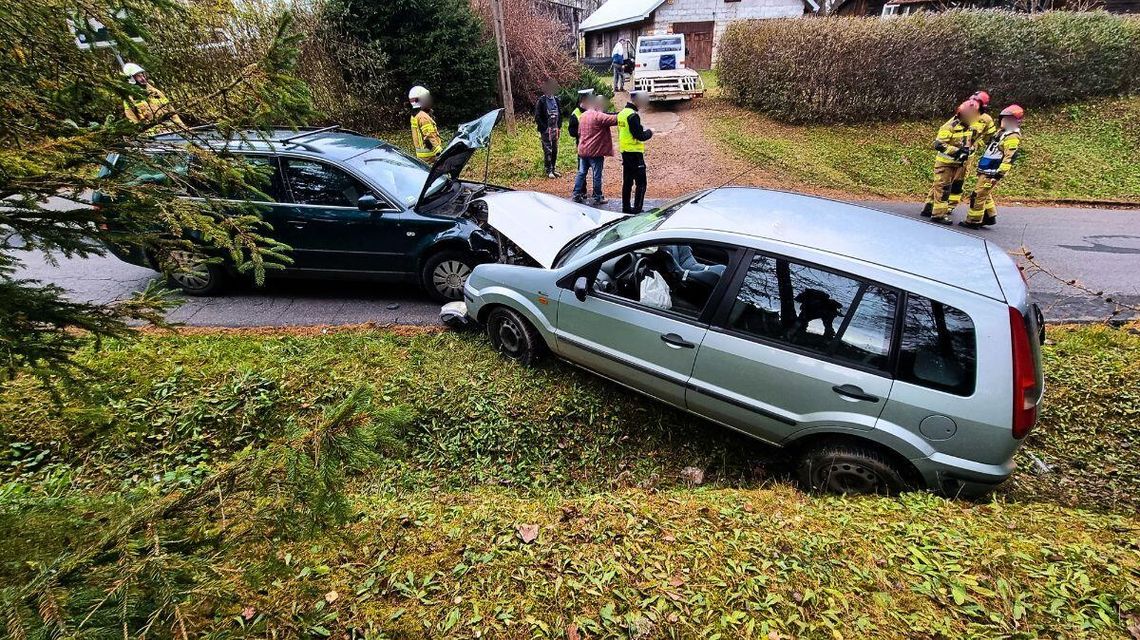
993, 166
953, 145
425, 135
154, 107
984, 127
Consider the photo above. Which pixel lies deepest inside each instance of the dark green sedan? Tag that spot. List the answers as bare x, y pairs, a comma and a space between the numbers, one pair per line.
350, 207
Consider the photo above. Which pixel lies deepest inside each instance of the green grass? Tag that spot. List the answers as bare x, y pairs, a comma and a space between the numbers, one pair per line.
625, 548
1088, 151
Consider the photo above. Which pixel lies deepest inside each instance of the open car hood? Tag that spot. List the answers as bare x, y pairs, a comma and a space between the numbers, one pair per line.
471, 137
541, 224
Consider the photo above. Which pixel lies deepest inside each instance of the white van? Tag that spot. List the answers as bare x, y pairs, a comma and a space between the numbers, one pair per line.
660, 69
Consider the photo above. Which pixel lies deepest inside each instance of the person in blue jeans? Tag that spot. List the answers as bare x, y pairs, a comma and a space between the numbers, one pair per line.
595, 142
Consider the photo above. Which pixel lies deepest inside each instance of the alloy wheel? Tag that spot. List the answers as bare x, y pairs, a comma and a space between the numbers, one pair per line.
448, 278
189, 272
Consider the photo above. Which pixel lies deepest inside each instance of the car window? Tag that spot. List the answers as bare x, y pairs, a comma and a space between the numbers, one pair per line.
317, 183
679, 278
828, 313
263, 183
622, 229
938, 347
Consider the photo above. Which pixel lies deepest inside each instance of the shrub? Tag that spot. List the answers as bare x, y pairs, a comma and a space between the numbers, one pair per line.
540, 47
568, 96
863, 69
440, 44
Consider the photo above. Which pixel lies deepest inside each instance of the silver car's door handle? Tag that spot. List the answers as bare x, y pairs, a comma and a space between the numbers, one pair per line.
853, 392
676, 341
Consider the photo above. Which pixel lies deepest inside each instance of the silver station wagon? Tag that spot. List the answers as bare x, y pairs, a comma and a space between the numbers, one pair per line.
882, 353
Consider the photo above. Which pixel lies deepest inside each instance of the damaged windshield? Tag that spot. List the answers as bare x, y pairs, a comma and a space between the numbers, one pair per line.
621, 229
397, 173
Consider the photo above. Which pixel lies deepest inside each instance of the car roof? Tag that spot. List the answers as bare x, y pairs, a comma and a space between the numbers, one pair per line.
878, 237
330, 143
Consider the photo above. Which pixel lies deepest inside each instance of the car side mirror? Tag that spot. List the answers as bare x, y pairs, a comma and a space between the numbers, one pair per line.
581, 288
368, 203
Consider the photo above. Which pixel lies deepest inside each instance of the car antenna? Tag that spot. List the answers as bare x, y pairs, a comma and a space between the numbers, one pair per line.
754, 165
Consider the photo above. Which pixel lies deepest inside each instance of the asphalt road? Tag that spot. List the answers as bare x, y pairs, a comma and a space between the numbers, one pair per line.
1098, 248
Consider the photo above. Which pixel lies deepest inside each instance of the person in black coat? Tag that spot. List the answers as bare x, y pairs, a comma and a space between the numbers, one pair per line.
548, 119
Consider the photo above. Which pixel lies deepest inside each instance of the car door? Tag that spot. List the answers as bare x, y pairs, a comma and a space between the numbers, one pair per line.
644, 314
794, 346
326, 228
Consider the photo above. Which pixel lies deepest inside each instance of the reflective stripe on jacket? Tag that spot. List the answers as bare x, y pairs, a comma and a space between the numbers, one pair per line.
1000, 153
425, 135
953, 136
631, 135
155, 106
984, 130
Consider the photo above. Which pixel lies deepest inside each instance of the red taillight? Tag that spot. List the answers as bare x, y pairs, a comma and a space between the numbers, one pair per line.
1024, 376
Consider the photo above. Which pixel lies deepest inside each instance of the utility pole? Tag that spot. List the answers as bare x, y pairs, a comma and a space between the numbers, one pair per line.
504, 64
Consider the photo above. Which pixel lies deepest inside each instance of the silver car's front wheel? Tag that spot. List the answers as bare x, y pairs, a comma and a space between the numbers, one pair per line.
513, 336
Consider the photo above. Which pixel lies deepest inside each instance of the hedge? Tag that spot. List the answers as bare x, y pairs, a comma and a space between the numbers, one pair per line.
864, 69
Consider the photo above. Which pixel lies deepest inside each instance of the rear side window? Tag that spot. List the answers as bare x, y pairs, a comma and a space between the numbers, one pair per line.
263, 183
317, 183
938, 348
816, 310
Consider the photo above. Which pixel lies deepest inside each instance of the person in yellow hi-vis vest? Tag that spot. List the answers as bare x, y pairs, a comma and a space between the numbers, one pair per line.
154, 107
953, 145
994, 164
631, 142
425, 135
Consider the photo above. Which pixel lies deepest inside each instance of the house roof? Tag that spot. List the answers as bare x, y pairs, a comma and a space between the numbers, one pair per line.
615, 13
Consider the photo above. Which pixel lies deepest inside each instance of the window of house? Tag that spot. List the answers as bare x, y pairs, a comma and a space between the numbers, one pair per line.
827, 313
678, 278
938, 348
316, 183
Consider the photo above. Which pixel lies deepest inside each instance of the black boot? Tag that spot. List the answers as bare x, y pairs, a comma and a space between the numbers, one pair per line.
989, 221
970, 225
927, 210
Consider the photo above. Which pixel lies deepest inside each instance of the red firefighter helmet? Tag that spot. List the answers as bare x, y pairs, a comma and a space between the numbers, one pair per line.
982, 98
1013, 111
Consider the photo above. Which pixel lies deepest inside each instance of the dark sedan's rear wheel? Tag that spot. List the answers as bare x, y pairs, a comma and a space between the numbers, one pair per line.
194, 276
445, 273
513, 336
850, 469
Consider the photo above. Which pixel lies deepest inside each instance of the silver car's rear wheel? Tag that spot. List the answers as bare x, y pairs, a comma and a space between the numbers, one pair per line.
850, 469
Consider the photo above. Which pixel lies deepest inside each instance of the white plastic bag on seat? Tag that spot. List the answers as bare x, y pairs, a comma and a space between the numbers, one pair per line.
655, 291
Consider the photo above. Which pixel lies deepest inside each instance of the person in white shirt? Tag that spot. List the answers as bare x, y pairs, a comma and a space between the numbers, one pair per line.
617, 61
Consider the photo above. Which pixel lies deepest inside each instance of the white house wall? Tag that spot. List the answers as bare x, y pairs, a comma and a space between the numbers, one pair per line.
722, 13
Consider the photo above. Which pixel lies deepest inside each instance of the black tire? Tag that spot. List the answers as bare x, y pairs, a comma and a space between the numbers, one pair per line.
514, 336
848, 468
197, 279
445, 273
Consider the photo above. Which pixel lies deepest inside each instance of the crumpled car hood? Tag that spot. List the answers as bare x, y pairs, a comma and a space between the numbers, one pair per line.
540, 224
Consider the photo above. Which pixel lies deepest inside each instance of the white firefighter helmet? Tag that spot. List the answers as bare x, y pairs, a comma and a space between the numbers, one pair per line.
131, 70
417, 95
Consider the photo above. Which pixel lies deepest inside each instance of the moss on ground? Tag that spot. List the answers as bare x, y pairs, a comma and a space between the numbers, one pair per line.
624, 548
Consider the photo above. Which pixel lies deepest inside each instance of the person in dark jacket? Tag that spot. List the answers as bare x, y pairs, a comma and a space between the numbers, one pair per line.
584, 96
631, 143
548, 119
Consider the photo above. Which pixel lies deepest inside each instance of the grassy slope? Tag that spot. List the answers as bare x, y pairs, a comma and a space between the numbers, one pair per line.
624, 544
1087, 151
